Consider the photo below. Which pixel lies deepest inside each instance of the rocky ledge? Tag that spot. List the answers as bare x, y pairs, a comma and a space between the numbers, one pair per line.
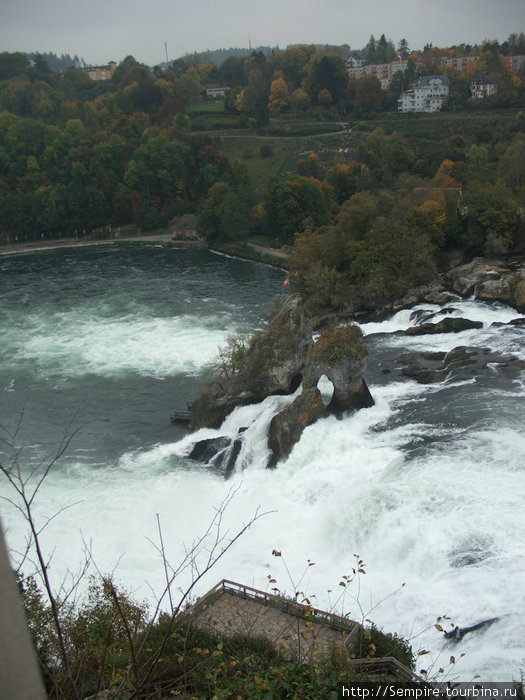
483, 278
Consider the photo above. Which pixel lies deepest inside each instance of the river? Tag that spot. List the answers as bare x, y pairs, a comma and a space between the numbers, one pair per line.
426, 487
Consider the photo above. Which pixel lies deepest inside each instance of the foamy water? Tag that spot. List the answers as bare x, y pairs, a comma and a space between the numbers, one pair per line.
426, 486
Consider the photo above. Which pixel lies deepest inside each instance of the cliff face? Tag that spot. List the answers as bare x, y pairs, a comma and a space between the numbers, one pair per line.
269, 363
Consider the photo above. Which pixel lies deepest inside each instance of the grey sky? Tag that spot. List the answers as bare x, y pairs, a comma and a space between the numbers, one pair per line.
104, 30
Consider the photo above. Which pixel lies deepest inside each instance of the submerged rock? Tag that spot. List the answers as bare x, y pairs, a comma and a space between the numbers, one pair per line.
461, 363
446, 325
220, 453
424, 368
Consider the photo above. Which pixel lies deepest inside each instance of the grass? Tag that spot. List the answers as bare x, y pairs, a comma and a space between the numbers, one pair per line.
214, 107
285, 152
290, 139
247, 149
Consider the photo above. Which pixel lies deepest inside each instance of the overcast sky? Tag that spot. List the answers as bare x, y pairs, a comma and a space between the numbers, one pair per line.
104, 30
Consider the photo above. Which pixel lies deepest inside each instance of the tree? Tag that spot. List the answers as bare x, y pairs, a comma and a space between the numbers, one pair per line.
327, 71
324, 98
280, 210
392, 258
357, 215
299, 100
12, 64
189, 87
370, 50
444, 176
343, 178
366, 94
489, 211
403, 49
293, 63
429, 219
279, 100
478, 167
512, 165
128, 72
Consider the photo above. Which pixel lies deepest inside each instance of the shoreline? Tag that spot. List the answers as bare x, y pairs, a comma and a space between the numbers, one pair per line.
252, 252
57, 244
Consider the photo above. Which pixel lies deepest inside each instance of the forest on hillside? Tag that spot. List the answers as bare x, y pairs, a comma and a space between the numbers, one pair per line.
80, 156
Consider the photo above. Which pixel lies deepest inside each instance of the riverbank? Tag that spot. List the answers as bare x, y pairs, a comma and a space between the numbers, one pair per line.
250, 251
57, 244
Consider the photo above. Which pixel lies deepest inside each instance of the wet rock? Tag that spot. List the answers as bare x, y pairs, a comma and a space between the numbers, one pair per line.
424, 368
206, 450
518, 292
490, 280
466, 278
287, 426
462, 362
220, 453
446, 325
433, 293
427, 315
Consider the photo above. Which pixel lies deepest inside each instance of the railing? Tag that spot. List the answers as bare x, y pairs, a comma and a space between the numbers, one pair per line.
385, 666
180, 416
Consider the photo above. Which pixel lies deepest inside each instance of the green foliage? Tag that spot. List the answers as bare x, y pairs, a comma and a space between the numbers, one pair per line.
335, 344
327, 71
489, 211
372, 642
290, 201
115, 646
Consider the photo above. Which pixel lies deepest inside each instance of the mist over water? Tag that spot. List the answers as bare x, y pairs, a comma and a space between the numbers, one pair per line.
426, 486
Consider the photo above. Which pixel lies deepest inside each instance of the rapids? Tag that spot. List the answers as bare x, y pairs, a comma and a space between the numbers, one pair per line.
426, 486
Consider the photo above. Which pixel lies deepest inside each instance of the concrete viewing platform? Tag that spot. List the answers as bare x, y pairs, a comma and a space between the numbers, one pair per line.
301, 630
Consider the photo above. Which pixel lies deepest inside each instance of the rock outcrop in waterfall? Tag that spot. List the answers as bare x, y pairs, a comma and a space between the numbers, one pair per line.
279, 360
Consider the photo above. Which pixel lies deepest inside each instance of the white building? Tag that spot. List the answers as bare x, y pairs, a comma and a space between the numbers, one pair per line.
216, 91
427, 95
482, 86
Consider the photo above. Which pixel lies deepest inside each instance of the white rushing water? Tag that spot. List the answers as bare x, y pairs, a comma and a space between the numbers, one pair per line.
426, 486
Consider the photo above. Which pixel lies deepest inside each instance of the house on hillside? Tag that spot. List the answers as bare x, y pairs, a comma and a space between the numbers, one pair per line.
459, 63
98, 73
217, 91
427, 95
482, 86
384, 72
517, 63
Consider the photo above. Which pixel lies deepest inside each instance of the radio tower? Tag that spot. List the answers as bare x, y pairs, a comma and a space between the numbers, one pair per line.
166, 49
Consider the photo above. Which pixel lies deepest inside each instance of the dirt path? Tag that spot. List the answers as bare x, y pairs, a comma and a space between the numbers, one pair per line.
276, 252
